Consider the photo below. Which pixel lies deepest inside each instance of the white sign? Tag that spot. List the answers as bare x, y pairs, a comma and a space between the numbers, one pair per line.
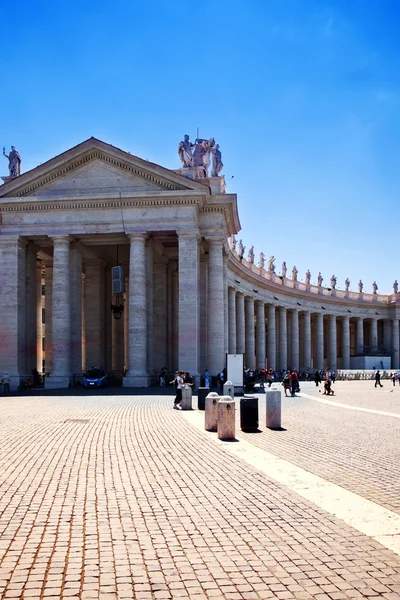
234, 369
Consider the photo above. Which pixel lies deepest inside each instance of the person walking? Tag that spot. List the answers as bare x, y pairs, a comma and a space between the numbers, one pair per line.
178, 385
294, 381
317, 378
207, 379
6, 383
221, 381
286, 383
378, 379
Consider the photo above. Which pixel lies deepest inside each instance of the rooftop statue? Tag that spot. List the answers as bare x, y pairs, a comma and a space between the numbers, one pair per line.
241, 250
294, 273
347, 284
333, 282
185, 152
201, 154
360, 286
250, 255
320, 279
395, 287
308, 276
233, 243
14, 162
261, 261
271, 264
374, 288
284, 269
216, 161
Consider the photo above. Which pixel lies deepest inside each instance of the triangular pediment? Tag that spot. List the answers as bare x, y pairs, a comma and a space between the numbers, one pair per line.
94, 167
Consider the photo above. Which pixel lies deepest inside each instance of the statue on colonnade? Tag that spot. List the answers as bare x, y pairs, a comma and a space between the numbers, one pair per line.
374, 288
185, 152
232, 243
250, 255
395, 287
320, 279
271, 264
261, 261
241, 250
284, 269
360, 286
333, 282
308, 276
14, 162
294, 273
216, 161
347, 284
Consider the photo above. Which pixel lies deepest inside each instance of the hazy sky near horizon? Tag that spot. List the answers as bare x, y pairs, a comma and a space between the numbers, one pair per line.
303, 97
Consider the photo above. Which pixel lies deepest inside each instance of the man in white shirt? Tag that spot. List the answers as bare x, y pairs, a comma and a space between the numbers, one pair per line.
179, 386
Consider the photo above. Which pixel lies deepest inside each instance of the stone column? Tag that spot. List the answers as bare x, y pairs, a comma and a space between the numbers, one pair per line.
332, 343
240, 345
346, 342
107, 332
360, 336
76, 310
295, 339
395, 344
126, 324
160, 318
271, 338
216, 304
249, 332
260, 335
173, 291
117, 340
189, 302
48, 321
61, 373
319, 339
374, 334
203, 311
137, 374
98, 320
282, 339
12, 307
226, 311
83, 304
149, 305
31, 309
232, 320
307, 340
387, 335
39, 318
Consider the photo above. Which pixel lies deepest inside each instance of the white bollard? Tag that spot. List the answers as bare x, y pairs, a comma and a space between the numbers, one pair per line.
273, 408
226, 418
186, 402
229, 389
211, 412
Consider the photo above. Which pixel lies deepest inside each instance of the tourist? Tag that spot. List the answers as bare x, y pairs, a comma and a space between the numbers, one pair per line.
6, 383
179, 385
207, 379
221, 380
378, 379
317, 378
393, 378
286, 383
163, 376
294, 381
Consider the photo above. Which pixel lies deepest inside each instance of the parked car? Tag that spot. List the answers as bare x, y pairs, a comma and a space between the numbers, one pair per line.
94, 378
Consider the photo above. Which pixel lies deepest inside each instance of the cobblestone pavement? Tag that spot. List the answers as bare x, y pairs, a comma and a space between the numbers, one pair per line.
119, 497
357, 450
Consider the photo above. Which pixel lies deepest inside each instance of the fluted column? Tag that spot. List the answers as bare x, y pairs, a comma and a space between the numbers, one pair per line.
216, 303
260, 335
307, 340
226, 311
295, 339
282, 339
360, 336
240, 345
319, 339
232, 320
271, 338
249, 332
39, 324
332, 343
137, 374
31, 309
61, 317
395, 344
374, 334
346, 342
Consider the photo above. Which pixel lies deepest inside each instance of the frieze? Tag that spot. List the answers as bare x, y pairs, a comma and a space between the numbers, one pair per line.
93, 205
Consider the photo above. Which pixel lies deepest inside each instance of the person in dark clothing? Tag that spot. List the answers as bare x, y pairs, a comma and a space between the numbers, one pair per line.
378, 379
317, 378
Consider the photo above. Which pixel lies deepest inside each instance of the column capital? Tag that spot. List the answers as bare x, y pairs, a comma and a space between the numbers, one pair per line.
215, 240
258, 302
188, 234
137, 236
61, 239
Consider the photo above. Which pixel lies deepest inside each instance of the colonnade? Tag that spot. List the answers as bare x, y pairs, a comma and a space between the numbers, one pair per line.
285, 336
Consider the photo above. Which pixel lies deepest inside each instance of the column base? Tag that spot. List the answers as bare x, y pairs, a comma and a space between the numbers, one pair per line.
55, 382
136, 380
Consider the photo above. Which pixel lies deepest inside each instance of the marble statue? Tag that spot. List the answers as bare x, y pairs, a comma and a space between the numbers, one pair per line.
201, 154
395, 287
374, 288
185, 152
233, 243
241, 249
347, 284
308, 276
271, 264
320, 279
261, 261
333, 282
284, 269
14, 162
216, 161
250, 255
294, 273
360, 286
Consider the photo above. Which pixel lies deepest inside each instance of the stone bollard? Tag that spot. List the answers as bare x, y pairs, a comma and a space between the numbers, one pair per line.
211, 414
273, 408
202, 394
229, 389
226, 418
186, 402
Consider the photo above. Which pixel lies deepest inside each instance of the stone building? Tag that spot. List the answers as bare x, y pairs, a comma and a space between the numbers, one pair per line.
188, 298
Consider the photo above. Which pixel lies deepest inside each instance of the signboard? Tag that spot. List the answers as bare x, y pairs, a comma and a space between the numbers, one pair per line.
234, 369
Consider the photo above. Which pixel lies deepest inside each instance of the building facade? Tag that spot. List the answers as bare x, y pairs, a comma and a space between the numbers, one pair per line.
190, 297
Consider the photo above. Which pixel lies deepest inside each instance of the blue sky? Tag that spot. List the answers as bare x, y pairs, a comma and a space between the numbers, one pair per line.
303, 97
